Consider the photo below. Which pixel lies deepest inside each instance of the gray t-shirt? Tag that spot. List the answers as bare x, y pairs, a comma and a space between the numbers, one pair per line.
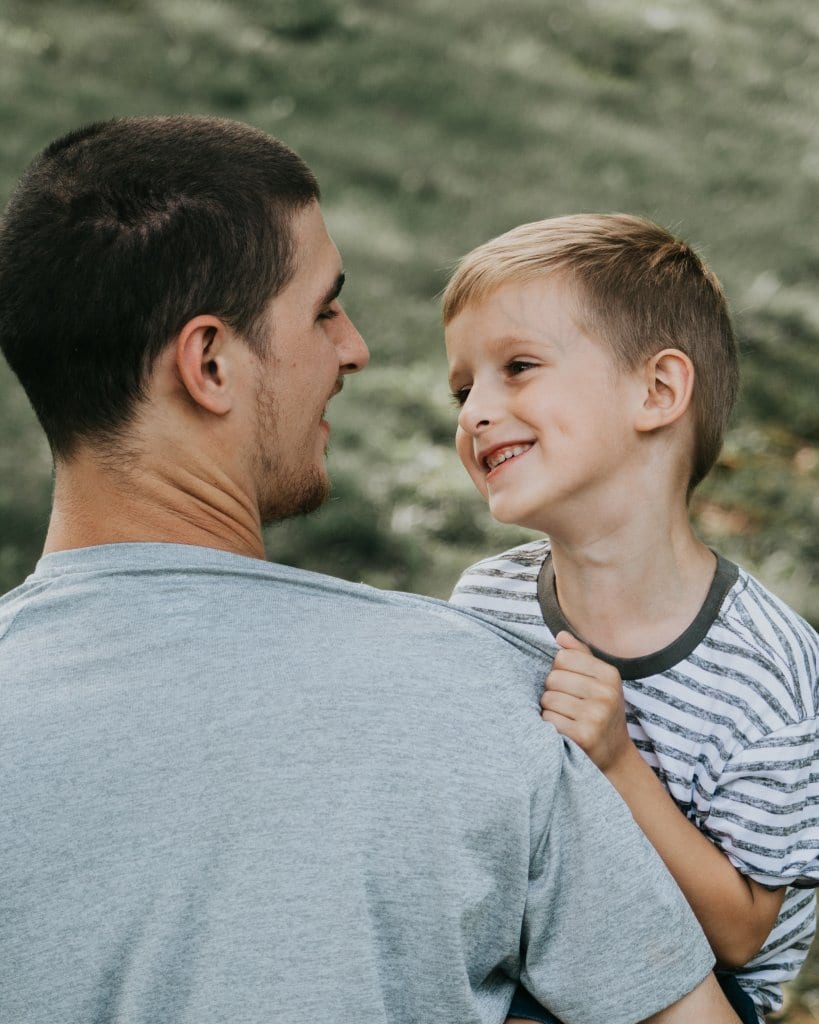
235, 791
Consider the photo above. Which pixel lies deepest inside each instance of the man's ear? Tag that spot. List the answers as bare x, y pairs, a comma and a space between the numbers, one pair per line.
669, 385
203, 362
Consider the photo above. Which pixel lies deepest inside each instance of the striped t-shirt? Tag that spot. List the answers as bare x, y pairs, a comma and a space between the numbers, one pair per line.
726, 716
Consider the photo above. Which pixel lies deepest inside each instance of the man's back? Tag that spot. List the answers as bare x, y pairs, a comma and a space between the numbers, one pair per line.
216, 809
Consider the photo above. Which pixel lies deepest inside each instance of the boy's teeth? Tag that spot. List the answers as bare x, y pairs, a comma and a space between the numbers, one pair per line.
506, 453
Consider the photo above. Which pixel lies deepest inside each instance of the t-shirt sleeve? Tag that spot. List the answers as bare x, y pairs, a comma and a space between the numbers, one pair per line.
765, 810
607, 934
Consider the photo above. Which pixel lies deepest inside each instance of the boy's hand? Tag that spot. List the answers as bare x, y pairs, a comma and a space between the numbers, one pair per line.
584, 701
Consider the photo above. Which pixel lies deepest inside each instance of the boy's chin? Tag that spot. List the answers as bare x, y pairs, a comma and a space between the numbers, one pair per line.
509, 517
517, 517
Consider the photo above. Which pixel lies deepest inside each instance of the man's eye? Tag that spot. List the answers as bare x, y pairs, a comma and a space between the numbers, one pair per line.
459, 396
329, 314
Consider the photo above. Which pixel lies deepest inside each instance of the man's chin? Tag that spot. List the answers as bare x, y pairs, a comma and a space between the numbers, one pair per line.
296, 502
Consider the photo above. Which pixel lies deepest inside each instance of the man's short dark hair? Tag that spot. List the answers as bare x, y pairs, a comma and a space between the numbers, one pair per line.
117, 235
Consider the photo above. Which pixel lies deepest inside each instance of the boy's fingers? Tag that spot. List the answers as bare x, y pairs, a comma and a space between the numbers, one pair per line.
565, 726
563, 704
570, 643
584, 664
575, 683
576, 661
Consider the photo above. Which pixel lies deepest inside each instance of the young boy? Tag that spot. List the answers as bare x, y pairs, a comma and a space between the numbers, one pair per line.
595, 367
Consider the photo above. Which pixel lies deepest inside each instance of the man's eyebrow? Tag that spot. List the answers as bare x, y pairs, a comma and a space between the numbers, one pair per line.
333, 292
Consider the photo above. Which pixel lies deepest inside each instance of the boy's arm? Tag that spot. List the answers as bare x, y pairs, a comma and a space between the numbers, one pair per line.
736, 913
705, 1003
584, 701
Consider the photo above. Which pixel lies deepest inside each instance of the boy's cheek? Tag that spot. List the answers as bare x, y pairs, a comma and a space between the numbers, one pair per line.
463, 445
480, 483
479, 480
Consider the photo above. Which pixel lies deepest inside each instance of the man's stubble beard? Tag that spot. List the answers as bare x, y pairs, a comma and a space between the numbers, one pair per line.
293, 496
283, 492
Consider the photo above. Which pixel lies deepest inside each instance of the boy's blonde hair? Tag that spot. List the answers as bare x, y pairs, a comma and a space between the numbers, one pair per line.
638, 289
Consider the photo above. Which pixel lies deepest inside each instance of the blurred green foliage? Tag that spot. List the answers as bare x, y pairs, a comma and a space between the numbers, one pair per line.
433, 125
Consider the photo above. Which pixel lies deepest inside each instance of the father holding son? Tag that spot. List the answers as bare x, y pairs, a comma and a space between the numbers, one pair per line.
235, 791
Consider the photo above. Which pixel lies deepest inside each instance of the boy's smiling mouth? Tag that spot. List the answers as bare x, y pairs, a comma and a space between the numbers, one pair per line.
503, 453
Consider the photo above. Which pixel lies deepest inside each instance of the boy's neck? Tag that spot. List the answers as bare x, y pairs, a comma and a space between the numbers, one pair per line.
631, 596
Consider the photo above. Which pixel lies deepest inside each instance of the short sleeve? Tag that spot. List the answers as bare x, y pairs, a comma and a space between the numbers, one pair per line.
765, 810
607, 934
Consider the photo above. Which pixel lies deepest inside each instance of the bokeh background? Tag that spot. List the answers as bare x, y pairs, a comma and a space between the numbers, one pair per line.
433, 125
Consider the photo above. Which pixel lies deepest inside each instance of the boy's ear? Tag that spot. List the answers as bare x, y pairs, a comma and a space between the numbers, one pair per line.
669, 385
203, 362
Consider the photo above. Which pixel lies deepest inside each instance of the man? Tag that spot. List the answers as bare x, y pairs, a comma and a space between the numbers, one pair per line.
234, 791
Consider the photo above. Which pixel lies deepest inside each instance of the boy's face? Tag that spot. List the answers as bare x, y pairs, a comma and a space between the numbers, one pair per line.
546, 422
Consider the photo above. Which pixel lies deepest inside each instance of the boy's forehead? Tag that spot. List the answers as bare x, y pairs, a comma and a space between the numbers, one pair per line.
534, 308
520, 299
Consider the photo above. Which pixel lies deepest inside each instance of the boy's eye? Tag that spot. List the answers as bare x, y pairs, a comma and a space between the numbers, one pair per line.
517, 366
459, 396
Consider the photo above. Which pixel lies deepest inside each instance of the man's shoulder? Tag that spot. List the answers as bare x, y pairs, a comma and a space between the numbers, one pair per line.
172, 578
14, 602
458, 624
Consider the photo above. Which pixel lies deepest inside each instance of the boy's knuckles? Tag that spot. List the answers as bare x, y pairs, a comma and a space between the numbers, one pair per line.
560, 680
572, 660
609, 702
555, 702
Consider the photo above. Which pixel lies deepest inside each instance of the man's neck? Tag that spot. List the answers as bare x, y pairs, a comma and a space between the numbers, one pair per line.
633, 591
95, 504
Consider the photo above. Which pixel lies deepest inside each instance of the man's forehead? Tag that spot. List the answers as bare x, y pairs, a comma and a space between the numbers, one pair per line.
316, 257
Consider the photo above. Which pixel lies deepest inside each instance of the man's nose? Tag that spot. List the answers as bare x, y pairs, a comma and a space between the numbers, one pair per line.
353, 354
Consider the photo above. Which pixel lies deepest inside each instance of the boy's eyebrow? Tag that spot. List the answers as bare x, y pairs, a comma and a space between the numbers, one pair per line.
456, 374
333, 292
505, 340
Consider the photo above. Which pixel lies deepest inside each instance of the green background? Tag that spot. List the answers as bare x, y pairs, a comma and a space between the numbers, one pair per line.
433, 125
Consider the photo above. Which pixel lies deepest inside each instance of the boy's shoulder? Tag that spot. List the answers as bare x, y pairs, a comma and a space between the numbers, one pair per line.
770, 635
504, 588
521, 562
766, 617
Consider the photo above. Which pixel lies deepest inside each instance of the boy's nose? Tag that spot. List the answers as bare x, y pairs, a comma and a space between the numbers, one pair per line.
473, 417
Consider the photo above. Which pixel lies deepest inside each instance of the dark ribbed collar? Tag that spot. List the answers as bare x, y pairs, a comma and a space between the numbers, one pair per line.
660, 661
